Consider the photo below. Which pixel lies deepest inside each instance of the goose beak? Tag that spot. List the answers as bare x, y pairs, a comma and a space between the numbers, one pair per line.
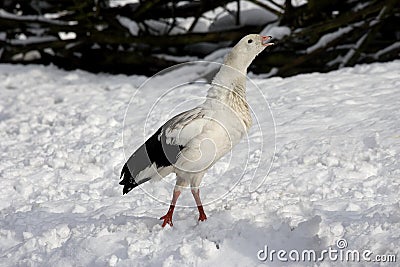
265, 39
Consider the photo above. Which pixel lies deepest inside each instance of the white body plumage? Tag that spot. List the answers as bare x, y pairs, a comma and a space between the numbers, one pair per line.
207, 133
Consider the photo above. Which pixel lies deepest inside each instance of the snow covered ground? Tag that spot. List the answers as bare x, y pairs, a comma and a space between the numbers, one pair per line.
335, 173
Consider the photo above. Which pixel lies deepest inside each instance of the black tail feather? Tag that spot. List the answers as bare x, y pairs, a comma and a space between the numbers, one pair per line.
128, 181
155, 153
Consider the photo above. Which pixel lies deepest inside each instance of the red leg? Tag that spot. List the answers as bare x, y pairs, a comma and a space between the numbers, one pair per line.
202, 216
196, 195
168, 217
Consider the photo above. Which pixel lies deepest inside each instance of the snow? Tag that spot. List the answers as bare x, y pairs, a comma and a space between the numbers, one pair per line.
387, 49
67, 35
327, 38
213, 20
33, 40
335, 171
352, 51
129, 24
202, 25
277, 32
47, 19
250, 15
55, 15
32, 55
114, 3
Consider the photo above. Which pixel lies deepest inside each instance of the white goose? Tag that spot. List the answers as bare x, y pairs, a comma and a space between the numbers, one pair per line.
191, 142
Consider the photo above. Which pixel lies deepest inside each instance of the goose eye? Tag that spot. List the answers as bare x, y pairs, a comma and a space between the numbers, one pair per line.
249, 41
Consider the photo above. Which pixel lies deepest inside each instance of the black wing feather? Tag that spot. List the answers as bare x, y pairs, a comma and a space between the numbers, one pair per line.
154, 150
